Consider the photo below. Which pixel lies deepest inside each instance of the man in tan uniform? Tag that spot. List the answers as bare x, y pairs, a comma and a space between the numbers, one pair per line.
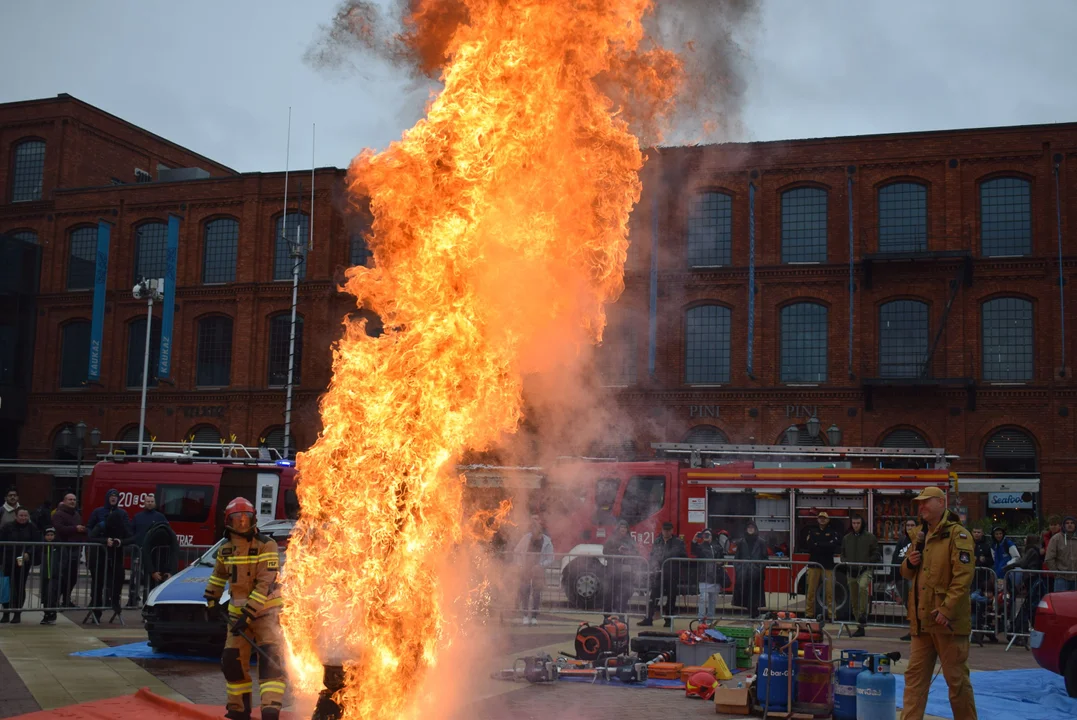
940, 569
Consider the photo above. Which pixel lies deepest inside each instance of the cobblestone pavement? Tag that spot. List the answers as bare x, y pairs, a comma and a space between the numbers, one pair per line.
201, 681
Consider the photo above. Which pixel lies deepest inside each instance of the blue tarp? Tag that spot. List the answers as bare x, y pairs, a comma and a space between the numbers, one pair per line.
1005, 695
140, 651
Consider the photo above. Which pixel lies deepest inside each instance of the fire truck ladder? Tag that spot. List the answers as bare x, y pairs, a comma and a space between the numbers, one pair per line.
188, 452
697, 451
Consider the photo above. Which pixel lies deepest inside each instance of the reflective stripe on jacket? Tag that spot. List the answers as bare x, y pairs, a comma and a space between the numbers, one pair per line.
249, 569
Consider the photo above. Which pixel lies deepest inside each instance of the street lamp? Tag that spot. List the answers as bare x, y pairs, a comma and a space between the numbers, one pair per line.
151, 289
76, 441
792, 433
813, 427
833, 435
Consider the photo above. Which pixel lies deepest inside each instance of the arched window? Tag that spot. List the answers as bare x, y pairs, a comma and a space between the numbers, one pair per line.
136, 351
706, 434
710, 230
82, 258
286, 241
221, 241
206, 435
273, 437
903, 218
25, 235
129, 437
706, 346
151, 250
1005, 217
75, 354
904, 438
1010, 450
1007, 340
214, 352
903, 339
804, 225
280, 328
804, 343
28, 171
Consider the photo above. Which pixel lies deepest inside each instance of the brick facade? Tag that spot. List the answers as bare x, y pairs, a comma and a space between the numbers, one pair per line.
88, 149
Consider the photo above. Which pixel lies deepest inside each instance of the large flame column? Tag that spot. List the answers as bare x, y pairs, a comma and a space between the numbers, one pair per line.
499, 233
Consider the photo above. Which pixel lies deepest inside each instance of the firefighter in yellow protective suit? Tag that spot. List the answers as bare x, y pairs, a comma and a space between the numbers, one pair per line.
248, 563
940, 567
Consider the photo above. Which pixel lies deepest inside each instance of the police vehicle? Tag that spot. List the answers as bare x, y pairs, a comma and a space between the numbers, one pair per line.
176, 617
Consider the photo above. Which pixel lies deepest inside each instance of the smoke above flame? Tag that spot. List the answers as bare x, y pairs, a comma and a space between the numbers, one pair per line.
499, 234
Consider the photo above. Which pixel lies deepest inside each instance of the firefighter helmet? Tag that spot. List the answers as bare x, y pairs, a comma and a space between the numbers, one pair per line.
700, 684
238, 506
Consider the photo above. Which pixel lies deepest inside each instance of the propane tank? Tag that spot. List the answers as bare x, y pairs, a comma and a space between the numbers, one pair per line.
852, 664
772, 673
876, 695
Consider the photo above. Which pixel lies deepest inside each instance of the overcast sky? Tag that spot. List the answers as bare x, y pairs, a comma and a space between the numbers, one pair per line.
218, 75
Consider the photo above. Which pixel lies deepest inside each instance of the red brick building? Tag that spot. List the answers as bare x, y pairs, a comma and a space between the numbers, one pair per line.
902, 289
63, 166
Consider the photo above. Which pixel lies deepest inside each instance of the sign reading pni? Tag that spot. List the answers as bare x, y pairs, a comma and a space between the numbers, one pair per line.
1010, 500
703, 411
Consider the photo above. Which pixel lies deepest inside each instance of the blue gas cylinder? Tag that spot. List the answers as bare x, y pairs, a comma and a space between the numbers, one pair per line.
876, 695
852, 664
772, 673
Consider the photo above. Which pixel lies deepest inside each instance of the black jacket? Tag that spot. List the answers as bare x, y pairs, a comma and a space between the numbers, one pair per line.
9, 554
748, 589
983, 553
822, 545
663, 550
620, 546
708, 571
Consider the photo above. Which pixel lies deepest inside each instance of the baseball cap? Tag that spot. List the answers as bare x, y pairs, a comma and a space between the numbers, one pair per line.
823, 514
930, 492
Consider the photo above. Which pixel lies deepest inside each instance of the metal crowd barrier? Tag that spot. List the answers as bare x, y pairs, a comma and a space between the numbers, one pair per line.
57, 577
722, 589
1022, 591
527, 584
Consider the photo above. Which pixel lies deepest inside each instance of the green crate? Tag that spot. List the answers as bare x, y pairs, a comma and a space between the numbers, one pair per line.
738, 632
744, 663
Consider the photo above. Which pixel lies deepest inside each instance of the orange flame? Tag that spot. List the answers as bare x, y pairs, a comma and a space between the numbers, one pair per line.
499, 233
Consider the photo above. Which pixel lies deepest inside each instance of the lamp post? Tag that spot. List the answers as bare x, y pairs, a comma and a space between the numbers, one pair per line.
792, 433
77, 441
813, 426
151, 290
833, 435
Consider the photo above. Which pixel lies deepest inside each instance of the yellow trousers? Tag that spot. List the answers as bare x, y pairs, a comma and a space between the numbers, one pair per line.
236, 662
953, 653
816, 574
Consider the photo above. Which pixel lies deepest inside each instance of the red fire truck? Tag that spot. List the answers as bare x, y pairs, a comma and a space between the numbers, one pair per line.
721, 487
193, 483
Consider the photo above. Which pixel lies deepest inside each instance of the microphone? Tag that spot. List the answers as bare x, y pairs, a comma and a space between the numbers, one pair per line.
922, 540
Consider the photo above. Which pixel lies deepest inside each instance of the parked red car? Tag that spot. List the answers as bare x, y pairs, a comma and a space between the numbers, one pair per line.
1054, 637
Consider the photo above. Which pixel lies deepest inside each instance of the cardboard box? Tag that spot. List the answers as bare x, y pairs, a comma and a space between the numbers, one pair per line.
731, 701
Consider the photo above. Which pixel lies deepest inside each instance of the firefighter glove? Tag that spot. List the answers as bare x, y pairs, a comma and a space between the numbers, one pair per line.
211, 603
242, 623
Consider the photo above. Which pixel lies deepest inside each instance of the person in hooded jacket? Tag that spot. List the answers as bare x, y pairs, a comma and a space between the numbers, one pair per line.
1062, 555
705, 548
900, 583
1004, 551
112, 501
16, 561
114, 533
748, 591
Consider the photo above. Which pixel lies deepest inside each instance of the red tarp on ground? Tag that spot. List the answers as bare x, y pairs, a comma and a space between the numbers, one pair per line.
137, 707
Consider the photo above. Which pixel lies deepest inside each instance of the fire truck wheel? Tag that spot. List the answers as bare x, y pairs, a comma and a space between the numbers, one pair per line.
582, 583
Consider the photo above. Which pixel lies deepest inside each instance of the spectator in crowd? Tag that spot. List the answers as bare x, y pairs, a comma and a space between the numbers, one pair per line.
904, 545
1025, 589
983, 584
534, 552
11, 506
620, 583
666, 546
16, 561
50, 576
42, 516
822, 542
1062, 555
96, 558
705, 548
113, 533
858, 548
1004, 552
69, 529
724, 543
1054, 527
144, 519
748, 591
112, 501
